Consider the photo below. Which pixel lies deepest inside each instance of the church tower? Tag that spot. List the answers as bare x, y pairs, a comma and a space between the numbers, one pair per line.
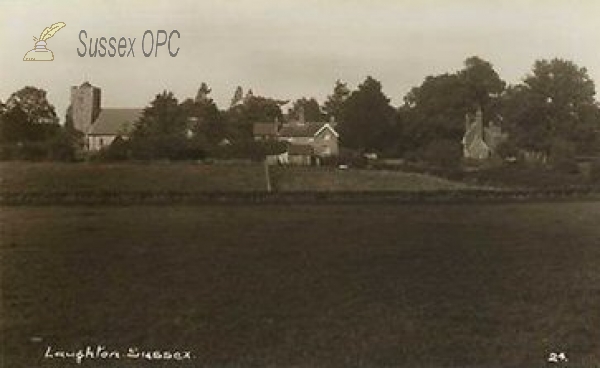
85, 105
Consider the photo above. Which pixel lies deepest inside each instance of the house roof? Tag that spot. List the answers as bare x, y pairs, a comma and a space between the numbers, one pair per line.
309, 129
260, 129
300, 149
115, 121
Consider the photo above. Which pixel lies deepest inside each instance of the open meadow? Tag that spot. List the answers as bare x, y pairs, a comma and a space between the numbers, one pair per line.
304, 286
22, 177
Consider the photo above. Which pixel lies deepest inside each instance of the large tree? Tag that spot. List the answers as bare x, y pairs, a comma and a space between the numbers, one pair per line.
553, 107
482, 84
253, 109
204, 118
34, 103
334, 104
162, 130
29, 128
435, 111
28, 116
367, 118
238, 97
311, 108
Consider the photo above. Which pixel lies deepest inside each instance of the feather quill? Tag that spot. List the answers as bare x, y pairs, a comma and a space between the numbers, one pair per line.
50, 31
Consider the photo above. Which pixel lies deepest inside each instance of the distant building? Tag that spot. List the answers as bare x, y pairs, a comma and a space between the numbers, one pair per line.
100, 126
308, 142
321, 137
110, 124
480, 142
265, 131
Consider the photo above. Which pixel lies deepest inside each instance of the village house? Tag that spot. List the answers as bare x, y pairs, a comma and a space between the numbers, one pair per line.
100, 126
481, 142
308, 142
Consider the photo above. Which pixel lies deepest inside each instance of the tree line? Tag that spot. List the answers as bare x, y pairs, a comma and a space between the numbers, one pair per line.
551, 112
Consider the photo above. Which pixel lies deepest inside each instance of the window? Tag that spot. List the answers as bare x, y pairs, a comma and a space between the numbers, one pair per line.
327, 136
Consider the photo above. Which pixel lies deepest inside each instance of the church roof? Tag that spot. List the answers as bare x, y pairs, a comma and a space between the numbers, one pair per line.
115, 121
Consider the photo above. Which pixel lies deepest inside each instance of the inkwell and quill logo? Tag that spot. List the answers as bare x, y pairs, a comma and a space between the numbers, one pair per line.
40, 52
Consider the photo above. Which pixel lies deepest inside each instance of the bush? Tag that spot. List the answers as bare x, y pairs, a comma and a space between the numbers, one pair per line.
442, 153
256, 151
54, 150
562, 156
507, 149
157, 148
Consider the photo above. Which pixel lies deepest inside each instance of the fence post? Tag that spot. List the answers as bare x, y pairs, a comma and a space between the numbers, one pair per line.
267, 176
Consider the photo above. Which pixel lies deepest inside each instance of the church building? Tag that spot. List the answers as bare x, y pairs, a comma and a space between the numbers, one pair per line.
99, 125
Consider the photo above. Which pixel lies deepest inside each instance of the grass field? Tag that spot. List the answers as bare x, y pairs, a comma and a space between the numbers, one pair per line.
293, 179
136, 177
305, 286
190, 178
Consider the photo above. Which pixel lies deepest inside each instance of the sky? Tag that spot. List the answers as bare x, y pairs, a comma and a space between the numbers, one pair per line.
288, 49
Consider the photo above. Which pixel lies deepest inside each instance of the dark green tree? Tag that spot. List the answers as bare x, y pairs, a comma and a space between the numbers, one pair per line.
205, 121
367, 118
29, 128
28, 116
238, 97
34, 103
435, 111
162, 130
202, 93
482, 83
552, 109
312, 110
334, 104
240, 118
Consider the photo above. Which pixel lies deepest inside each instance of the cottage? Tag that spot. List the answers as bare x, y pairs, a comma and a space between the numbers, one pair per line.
308, 142
479, 142
321, 137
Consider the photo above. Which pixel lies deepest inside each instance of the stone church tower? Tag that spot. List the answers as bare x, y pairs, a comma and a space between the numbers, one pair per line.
85, 105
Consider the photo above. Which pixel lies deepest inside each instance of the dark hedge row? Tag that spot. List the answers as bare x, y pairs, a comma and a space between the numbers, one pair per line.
370, 197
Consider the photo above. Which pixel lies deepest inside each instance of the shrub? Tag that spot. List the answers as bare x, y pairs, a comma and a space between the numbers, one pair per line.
442, 153
562, 156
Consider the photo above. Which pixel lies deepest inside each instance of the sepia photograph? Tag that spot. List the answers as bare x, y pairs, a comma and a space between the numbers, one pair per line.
299, 183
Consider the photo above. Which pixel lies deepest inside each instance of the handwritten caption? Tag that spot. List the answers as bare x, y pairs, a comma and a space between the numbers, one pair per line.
100, 352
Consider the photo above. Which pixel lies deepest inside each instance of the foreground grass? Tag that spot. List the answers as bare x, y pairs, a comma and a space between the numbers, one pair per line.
305, 286
129, 177
331, 179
